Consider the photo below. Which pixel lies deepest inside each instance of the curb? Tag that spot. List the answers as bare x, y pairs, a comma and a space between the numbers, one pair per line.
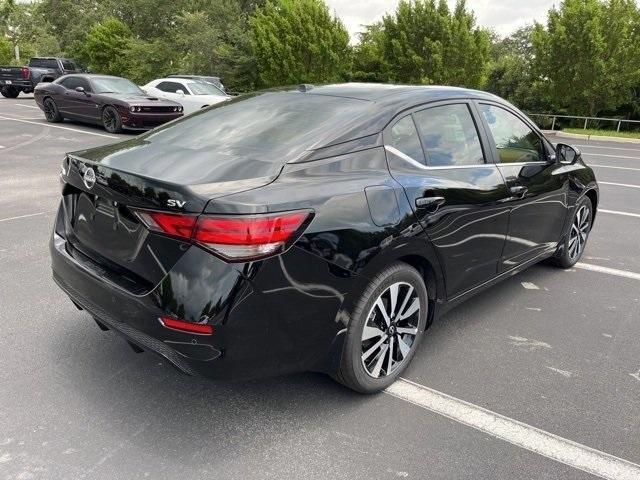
599, 138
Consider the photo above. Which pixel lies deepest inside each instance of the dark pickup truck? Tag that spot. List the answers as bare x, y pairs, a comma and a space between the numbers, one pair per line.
14, 80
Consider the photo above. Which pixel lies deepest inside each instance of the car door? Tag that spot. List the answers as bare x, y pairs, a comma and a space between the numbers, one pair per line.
537, 183
87, 107
441, 158
65, 100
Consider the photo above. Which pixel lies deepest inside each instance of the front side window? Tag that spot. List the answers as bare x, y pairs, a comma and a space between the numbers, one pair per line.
449, 136
404, 138
68, 65
515, 140
71, 83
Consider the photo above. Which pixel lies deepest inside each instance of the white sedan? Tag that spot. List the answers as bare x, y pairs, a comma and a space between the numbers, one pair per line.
191, 94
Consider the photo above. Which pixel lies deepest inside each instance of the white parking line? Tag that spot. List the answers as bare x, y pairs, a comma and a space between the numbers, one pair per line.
619, 184
612, 156
612, 166
58, 126
27, 106
616, 212
21, 216
517, 433
608, 148
609, 271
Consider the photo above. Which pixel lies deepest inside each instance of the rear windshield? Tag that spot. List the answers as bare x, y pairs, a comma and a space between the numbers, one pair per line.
271, 126
43, 63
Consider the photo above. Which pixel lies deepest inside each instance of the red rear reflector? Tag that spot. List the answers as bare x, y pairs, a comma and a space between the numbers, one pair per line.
189, 327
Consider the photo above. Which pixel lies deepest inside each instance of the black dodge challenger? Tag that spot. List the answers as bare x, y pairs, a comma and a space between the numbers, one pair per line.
113, 102
313, 228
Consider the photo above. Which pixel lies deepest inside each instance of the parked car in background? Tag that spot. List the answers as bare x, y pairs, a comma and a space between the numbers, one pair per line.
314, 229
191, 94
14, 80
113, 102
217, 81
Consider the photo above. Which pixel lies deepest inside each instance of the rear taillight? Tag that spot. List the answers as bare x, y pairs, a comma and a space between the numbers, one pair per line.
234, 238
25, 72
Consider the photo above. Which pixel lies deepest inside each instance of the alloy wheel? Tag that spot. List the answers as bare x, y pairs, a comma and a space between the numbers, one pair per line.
390, 330
49, 109
579, 232
109, 120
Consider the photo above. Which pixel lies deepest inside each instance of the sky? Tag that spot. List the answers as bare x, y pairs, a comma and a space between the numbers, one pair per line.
502, 16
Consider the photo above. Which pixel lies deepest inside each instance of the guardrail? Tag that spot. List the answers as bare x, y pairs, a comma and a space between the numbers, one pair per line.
553, 118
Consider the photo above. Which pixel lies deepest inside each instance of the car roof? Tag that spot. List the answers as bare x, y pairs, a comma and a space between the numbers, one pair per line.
382, 93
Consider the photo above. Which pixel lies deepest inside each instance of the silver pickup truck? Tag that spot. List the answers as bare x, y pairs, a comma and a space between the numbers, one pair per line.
14, 80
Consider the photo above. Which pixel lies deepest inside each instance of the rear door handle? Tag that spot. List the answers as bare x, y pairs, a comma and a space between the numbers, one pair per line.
429, 202
518, 190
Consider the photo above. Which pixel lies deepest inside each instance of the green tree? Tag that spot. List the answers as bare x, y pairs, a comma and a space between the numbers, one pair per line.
106, 46
299, 41
424, 42
6, 54
589, 54
368, 56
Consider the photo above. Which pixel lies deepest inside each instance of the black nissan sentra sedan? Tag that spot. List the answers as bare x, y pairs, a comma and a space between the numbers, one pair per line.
312, 228
113, 102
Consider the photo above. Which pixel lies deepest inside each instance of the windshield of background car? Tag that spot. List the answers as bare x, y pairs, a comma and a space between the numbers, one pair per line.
270, 126
115, 85
201, 88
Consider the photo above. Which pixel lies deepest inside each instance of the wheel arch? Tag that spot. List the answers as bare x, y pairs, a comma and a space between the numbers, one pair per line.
592, 195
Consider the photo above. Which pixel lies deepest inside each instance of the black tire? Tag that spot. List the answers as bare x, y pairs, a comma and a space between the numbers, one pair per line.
10, 92
111, 120
571, 249
51, 112
359, 372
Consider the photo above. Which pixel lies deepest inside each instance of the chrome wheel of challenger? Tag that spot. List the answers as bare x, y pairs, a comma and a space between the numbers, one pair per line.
390, 330
579, 232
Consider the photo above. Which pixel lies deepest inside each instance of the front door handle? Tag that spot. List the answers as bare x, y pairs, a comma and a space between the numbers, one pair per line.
429, 202
518, 190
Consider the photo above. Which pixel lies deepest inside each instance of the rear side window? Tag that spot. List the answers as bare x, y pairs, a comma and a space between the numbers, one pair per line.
449, 136
43, 63
68, 65
404, 137
515, 140
172, 87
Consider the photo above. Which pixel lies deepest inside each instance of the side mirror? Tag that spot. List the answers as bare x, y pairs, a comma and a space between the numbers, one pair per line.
180, 92
80, 90
567, 154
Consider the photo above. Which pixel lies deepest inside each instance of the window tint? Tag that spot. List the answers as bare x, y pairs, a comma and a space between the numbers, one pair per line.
43, 63
404, 137
515, 141
267, 127
72, 82
172, 87
449, 136
68, 65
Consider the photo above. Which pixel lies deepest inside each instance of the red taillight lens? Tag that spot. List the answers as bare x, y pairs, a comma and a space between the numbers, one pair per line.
176, 225
251, 236
234, 238
25, 72
189, 327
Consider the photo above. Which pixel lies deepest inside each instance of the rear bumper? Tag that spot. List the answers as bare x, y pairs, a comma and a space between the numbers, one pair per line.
19, 84
279, 316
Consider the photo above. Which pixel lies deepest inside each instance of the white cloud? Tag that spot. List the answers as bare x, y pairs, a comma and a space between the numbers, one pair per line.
503, 16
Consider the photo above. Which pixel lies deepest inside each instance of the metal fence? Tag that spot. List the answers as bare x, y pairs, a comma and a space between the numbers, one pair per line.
545, 118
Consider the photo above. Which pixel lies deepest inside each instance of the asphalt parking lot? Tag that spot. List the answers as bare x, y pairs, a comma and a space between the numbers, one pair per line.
537, 377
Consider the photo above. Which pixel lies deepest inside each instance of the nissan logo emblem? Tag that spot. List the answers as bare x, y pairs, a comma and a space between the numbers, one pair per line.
89, 178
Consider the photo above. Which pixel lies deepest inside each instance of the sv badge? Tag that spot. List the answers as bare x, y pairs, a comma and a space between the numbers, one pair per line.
176, 203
